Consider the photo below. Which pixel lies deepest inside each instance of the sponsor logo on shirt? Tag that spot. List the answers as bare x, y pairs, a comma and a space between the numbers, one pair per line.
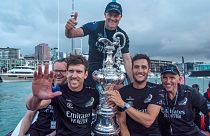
49, 109
90, 102
183, 102
172, 113
99, 46
78, 118
148, 99
143, 110
69, 104
130, 100
160, 102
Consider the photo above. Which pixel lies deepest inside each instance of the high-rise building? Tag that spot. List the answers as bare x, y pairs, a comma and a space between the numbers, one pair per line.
9, 53
54, 54
42, 52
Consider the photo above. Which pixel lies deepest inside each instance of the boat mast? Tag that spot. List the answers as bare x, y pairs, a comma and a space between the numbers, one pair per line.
58, 29
72, 39
183, 67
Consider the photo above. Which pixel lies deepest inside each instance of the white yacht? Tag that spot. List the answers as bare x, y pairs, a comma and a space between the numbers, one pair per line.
18, 73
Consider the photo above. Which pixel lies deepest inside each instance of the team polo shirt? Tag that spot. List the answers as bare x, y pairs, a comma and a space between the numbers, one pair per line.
177, 117
96, 30
140, 99
74, 111
97, 54
45, 123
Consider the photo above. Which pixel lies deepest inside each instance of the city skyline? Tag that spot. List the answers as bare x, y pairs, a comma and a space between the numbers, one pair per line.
162, 29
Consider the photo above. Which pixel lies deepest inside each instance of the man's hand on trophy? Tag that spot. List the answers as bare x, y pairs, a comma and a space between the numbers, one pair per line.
118, 86
114, 96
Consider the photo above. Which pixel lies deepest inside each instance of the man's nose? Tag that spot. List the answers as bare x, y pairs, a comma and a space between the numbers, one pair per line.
167, 80
112, 17
139, 69
74, 74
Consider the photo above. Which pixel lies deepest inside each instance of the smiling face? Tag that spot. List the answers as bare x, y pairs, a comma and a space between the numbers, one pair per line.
140, 71
59, 69
76, 75
112, 19
170, 82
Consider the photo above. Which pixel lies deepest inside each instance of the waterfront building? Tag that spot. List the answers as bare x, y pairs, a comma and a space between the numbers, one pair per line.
9, 53
156, 64
42, 52
201, 67
54, 54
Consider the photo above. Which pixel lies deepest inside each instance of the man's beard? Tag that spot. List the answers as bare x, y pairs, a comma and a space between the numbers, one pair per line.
142, 81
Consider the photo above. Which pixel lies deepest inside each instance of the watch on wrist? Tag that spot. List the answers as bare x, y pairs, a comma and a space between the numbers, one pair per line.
126, 106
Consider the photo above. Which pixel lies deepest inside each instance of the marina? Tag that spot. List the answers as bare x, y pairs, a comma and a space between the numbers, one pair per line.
13, 97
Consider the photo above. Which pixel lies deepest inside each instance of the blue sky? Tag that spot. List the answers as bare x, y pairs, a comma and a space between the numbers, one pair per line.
163, 29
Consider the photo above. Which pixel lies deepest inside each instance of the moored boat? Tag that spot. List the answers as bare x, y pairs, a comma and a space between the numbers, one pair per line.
18, 73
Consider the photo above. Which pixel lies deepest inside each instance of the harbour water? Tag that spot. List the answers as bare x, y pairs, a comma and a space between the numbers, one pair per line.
12, 104
13, 97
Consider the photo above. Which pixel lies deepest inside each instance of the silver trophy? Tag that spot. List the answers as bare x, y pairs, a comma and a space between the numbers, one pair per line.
105, 123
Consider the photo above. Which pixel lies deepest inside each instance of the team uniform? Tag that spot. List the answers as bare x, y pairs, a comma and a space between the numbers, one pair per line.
45, 123
177, 116
140, 99
207, 120
74, 111
97, 30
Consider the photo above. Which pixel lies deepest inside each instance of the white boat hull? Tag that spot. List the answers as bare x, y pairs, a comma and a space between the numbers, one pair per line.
9, 77
17, 129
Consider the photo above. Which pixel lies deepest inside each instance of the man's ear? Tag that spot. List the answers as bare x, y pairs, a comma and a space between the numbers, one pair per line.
181, 79
86, 74
149, 71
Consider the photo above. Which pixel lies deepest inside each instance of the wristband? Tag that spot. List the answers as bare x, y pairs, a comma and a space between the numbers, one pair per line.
126, 106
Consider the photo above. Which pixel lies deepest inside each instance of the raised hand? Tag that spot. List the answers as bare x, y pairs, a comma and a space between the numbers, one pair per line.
42, 84
72, 22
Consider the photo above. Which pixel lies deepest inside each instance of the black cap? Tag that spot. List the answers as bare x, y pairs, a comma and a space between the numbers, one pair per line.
169, 68
113, 6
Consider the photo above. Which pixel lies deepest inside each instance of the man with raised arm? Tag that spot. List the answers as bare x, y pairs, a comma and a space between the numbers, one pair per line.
74, 102
97, 30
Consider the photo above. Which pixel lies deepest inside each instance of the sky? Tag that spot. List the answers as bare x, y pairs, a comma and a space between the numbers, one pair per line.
163, 29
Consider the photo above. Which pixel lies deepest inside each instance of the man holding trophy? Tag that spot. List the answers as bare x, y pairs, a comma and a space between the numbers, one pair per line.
139, 102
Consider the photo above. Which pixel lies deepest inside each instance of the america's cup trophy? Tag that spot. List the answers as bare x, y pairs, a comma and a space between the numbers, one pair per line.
105, 123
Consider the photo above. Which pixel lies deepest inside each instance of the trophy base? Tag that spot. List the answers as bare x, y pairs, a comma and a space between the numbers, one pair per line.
105, 123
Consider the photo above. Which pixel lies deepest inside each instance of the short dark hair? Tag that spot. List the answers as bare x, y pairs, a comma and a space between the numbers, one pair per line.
59, 60
142, 56
77, 59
